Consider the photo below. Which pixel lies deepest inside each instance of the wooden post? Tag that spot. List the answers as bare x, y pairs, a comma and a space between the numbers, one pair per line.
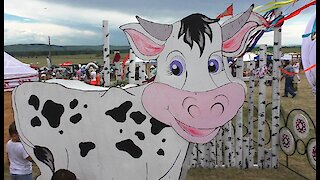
276, 93
262, 106
239, 118
106, 54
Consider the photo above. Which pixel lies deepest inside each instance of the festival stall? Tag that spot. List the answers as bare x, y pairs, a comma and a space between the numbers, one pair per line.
16, 72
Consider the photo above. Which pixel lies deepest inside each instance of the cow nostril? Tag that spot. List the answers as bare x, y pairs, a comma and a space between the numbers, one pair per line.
217, 107
194, 111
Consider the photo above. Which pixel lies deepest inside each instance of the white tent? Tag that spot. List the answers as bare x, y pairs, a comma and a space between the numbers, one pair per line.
16, 72
286, 57
248, 56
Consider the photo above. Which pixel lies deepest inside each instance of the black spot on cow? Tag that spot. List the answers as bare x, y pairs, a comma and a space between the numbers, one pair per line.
140, 135
52, 112
157, 126
34, 101
85, 147
85, 106
73, 104
160, 152
44, 155
121, 130
61, 132
163, 140
129, 147
119, 113
138, 117
35, 121
75, 118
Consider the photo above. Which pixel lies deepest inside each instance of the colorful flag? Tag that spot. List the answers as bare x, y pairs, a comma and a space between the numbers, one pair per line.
227, 12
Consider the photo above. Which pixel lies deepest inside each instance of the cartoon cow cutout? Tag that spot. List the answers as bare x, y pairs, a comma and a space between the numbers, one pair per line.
140, 132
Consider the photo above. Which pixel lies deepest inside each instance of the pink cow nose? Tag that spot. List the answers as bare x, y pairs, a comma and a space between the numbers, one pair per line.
194, 111
200, 106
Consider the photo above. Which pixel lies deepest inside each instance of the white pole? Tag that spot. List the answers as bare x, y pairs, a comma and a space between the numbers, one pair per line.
250, 112
262, 106
276, 93
106, 54
132, 68
239, 118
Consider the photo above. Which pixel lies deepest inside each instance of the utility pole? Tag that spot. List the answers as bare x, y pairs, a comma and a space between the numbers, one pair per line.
49, 63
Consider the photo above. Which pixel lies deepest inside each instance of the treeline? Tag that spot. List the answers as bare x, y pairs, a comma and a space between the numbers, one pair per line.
53, 53
44, 49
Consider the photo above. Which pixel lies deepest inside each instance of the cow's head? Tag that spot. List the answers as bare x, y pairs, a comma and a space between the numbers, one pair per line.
194, 91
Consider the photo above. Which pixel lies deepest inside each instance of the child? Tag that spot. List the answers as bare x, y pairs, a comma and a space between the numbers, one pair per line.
19, 161
63, 174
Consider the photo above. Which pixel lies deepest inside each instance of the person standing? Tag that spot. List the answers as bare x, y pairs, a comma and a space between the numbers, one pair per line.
296, 68
288, 74
19, 160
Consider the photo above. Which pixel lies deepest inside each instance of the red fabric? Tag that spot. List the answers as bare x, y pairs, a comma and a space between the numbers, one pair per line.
116, 57
294, 13
98, 79
67, 63
227, 12
292, 73
125, 60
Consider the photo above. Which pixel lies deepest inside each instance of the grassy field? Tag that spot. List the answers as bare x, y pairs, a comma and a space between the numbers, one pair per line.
304, 100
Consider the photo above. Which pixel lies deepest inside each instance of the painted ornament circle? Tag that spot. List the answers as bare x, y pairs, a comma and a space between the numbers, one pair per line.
311, 151
287, 141
300, 126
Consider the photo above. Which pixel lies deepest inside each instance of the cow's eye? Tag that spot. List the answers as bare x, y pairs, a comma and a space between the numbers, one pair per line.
213, 65
176, 67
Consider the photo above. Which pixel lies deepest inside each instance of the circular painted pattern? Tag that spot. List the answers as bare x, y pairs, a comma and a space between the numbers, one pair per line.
300, 126
287, 141
311, 152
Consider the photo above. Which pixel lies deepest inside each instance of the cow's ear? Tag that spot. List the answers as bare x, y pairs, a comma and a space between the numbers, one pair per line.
146, 38
240, 31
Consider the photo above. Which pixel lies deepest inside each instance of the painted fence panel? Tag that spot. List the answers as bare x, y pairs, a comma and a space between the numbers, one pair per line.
230, 148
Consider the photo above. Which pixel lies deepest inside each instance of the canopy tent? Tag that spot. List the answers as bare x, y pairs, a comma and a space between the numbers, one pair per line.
286, 57
248, 56
67, 63
16, 72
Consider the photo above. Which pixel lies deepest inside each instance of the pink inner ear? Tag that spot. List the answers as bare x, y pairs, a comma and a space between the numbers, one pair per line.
234, 43
144, 44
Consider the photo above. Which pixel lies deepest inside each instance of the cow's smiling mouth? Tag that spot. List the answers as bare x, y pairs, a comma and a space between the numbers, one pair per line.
196, 132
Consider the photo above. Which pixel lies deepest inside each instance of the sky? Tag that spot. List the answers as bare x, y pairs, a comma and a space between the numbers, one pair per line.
79, 22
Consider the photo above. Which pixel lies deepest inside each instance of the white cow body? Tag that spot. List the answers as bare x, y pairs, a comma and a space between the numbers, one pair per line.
95, 126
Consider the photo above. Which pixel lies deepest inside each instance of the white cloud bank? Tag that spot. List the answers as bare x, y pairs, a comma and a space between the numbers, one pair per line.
62, 22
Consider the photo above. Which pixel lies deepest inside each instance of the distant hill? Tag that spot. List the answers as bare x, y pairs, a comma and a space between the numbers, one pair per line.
43, 49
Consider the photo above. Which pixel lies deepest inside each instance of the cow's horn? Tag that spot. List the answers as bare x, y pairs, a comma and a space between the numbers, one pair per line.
156, 30
235, 25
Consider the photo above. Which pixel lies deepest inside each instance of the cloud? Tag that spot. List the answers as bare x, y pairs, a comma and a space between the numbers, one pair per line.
80, 22
24, 32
